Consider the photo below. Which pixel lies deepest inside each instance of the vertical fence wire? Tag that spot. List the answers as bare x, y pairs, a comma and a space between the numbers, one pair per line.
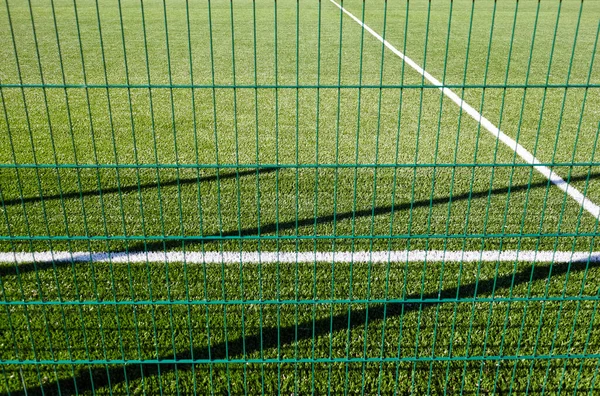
254, 196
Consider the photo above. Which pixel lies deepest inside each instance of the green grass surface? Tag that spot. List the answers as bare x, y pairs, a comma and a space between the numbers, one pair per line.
180, 331
74, 95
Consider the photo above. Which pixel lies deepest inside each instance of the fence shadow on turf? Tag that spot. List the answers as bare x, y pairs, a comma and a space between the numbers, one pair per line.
271, 228
99, 377
123, 189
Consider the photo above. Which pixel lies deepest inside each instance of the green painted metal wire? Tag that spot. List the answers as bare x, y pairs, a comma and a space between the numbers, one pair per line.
341, 129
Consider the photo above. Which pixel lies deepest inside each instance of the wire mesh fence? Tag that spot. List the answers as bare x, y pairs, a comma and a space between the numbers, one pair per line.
255, 196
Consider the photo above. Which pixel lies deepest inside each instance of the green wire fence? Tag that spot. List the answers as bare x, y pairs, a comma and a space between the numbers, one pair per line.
309, 196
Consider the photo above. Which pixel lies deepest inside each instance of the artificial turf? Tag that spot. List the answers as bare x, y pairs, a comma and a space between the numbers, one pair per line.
282, 137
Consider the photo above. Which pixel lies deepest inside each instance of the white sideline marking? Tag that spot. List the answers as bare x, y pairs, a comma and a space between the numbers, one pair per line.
588, 205
303, 257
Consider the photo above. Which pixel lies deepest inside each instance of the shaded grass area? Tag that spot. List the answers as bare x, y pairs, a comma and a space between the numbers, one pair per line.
306, 331
448, 208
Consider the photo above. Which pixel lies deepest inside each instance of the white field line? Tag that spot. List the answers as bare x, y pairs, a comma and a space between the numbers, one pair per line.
303, 257
588, 205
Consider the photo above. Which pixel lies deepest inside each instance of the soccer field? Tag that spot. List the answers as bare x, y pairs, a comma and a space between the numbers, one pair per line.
299, 196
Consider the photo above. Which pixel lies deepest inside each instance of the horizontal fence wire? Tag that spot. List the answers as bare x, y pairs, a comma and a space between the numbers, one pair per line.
296, 166
322, 360
294, 197
304, 302
183, 238
320, 86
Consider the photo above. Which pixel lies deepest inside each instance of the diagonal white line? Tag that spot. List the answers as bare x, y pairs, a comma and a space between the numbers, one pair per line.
521, 151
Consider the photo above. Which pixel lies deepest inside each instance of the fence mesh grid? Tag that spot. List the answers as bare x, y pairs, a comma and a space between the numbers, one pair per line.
257, 196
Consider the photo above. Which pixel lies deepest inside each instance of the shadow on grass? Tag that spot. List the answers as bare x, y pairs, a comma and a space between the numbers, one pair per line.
271, 228
135, 187
99, 377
